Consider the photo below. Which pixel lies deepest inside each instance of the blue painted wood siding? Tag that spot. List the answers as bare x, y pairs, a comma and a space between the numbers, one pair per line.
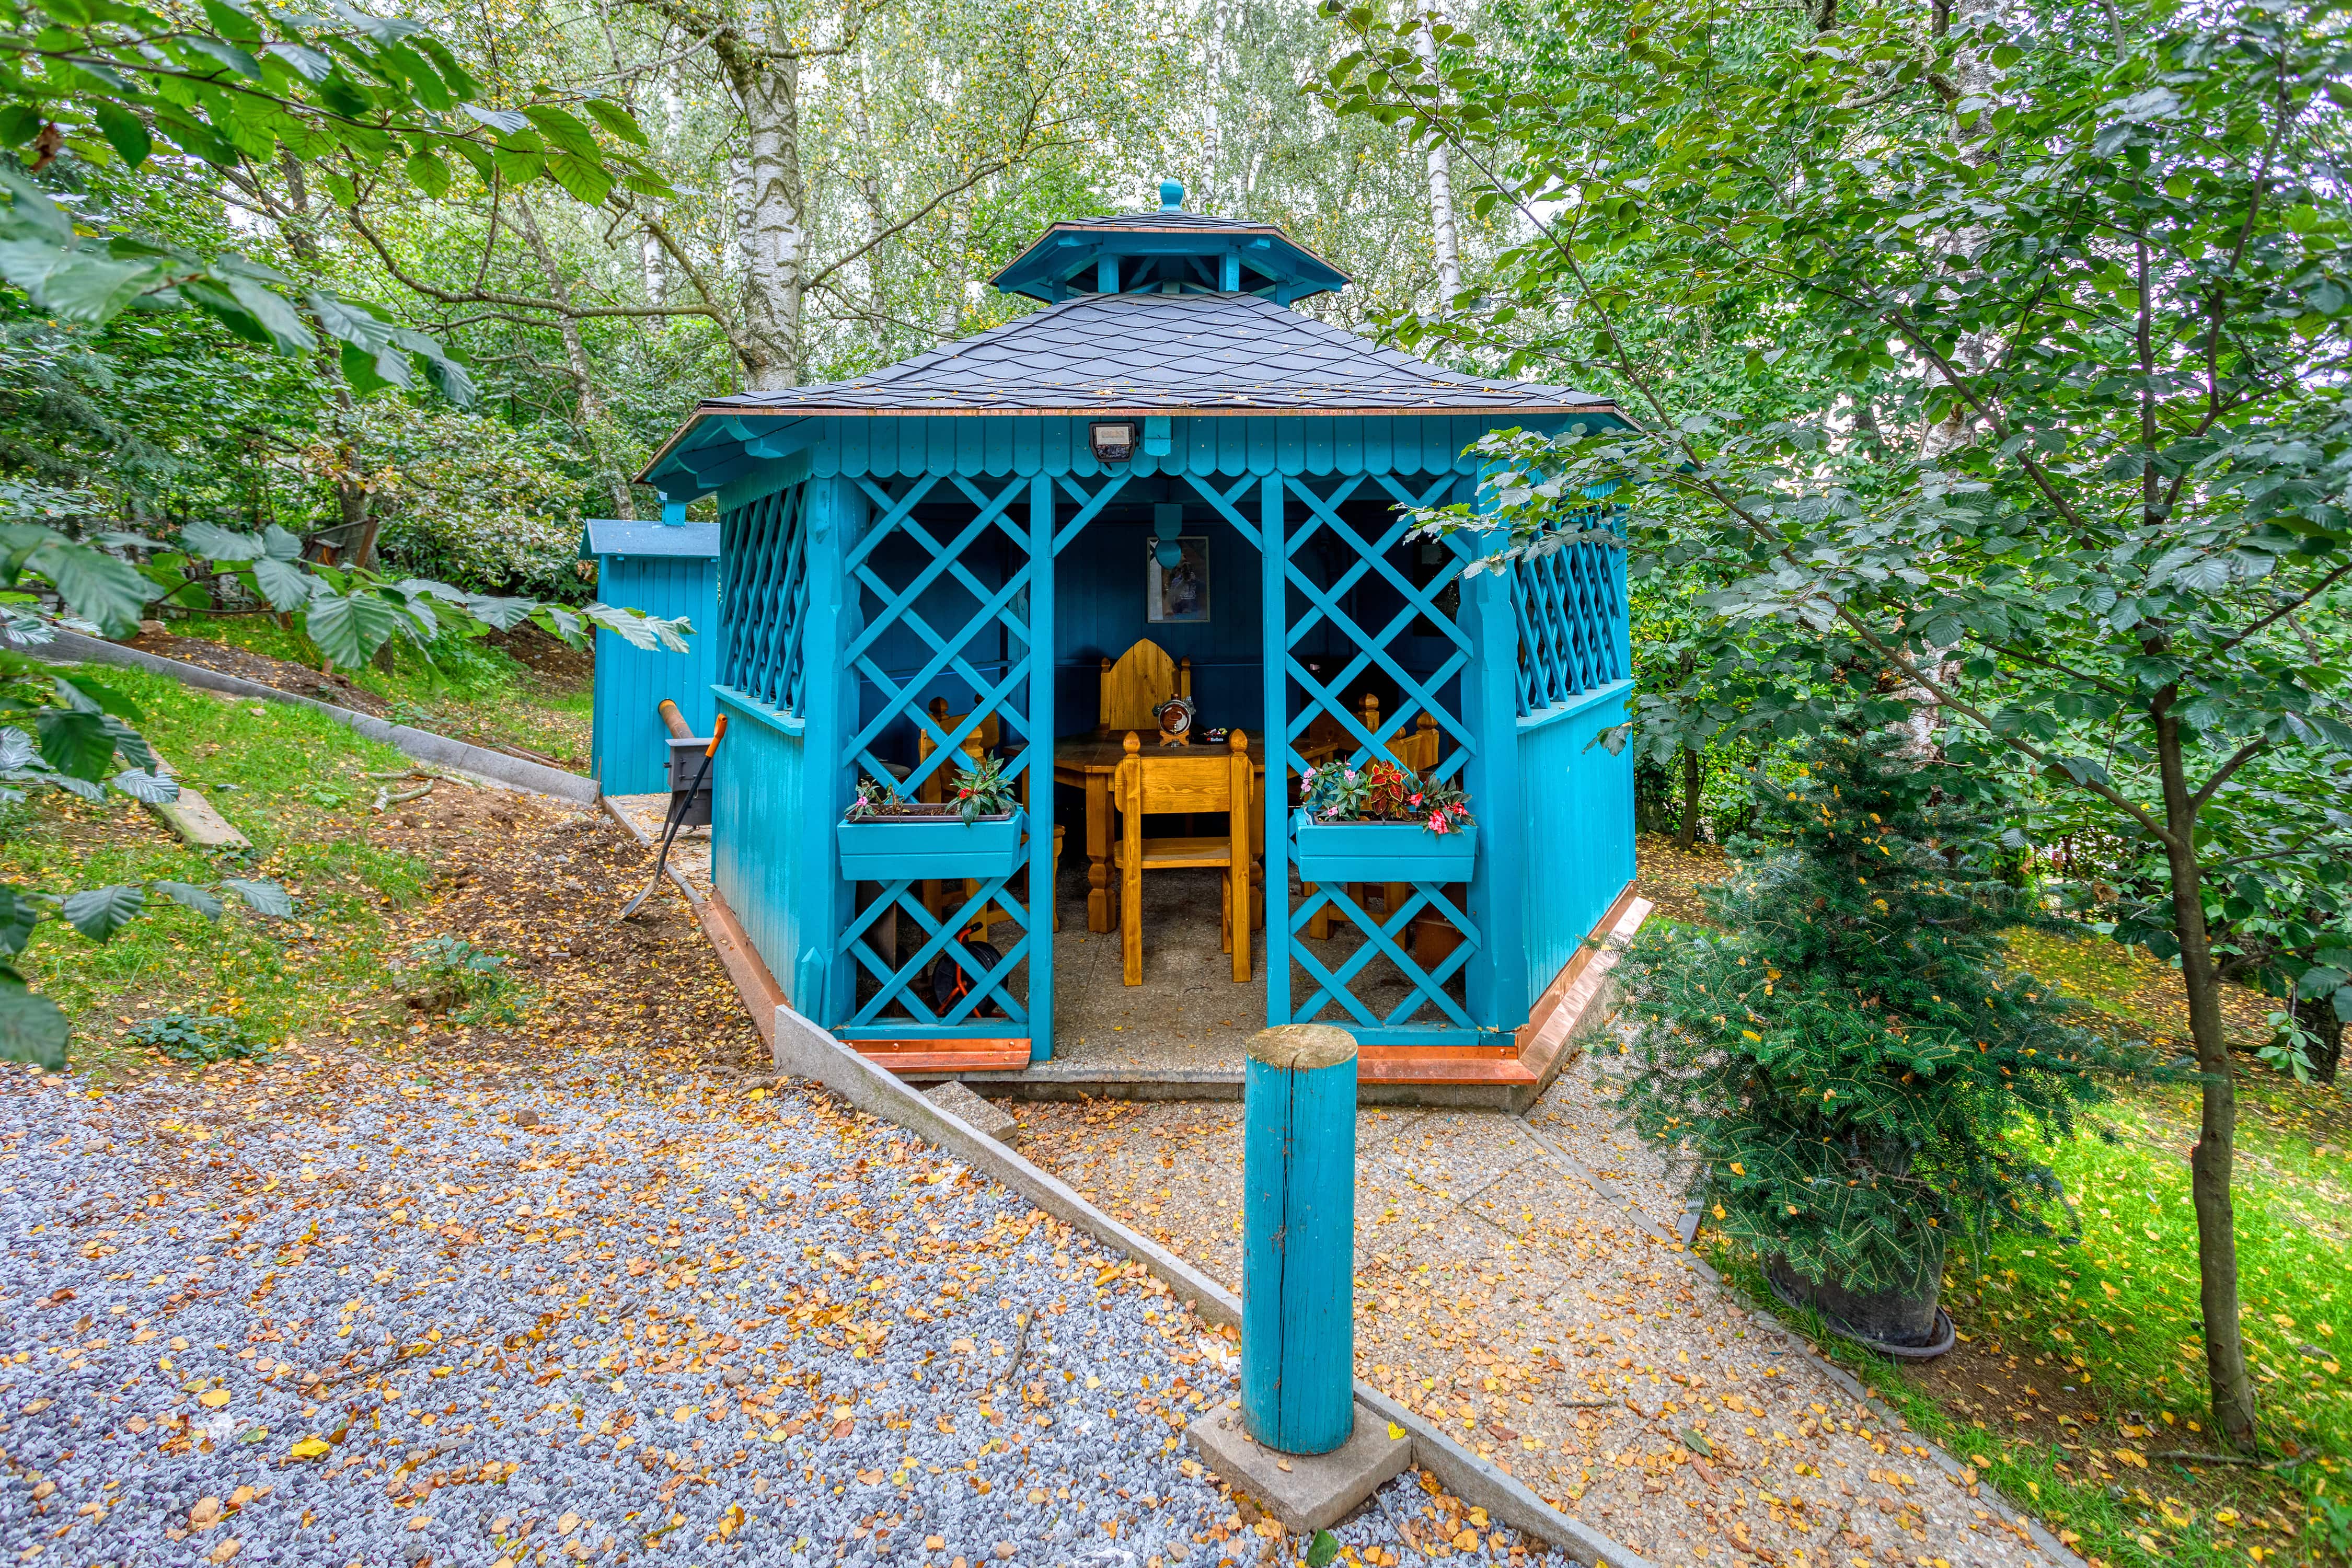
757, 862
1577, 829
628, 749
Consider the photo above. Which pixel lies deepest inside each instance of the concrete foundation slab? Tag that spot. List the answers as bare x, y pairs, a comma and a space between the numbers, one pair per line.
1305, 1491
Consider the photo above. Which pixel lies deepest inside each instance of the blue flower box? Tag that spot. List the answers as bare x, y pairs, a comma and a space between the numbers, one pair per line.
908, 849
1381, 851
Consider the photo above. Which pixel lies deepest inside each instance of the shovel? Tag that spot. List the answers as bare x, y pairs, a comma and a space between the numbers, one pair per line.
677, 802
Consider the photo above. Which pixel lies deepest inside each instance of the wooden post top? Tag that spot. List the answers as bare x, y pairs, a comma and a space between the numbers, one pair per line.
1302, 1048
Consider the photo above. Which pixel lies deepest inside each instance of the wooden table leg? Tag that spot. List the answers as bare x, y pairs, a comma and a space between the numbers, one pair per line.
1098, 889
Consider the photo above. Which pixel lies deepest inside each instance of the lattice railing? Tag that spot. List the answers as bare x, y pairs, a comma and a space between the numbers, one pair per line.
1568, 607
906, 574
763, 596
1433, 997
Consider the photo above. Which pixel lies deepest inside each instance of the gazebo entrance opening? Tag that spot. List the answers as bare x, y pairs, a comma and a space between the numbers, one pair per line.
1368, 663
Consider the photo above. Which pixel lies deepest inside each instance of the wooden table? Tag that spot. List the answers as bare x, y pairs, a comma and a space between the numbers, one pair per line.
1088, 761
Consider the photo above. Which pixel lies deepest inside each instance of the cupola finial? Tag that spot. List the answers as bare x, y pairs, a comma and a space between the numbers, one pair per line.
1171, 195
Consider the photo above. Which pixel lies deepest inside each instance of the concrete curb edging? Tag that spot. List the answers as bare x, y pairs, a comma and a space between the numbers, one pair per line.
805, 1050
1981, 1490
497, 767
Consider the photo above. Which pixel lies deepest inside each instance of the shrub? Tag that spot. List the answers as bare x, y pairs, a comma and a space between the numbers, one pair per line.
1844, 1055
471, 984
198, 1038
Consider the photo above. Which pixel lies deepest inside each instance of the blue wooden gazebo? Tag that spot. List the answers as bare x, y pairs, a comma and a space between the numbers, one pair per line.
969, 525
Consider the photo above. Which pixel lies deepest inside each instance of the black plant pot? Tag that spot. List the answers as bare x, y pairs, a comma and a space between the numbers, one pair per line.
1906, 1324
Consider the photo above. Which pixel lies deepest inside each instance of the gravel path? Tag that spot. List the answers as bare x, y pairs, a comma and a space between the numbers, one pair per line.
1504, 1297
324, 1313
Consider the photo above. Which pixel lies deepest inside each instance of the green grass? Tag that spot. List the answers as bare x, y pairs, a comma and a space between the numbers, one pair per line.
468, 690
2117, 1313
293, 782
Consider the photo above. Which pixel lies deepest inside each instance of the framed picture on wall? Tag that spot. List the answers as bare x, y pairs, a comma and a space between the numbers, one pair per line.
1179, 592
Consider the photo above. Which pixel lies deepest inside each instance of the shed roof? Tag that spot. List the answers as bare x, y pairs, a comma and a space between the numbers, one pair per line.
626, 536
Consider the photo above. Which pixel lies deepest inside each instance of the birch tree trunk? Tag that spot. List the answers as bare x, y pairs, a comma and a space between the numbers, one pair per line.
869, 199
773, 211
1441, 176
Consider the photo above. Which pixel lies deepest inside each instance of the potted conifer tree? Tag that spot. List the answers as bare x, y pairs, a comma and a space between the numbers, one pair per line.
1844, 1053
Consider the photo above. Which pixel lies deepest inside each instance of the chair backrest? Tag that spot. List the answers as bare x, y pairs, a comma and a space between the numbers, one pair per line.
1134, 689
1174, 781
1417, 751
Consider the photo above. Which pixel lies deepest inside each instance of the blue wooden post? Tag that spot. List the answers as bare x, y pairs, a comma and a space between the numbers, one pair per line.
1040, 768
819, 986
1299, 1237
1276, 656
1498, 978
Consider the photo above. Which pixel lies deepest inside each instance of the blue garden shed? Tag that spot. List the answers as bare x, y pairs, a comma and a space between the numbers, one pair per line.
668, 568
1166, 472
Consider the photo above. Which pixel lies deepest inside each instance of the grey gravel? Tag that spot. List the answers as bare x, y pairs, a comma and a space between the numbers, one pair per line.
845, 1346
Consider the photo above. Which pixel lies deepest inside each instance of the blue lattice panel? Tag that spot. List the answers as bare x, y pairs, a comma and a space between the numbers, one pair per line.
1335, 564
934, 611
764, 596
899, 1000
1569, 608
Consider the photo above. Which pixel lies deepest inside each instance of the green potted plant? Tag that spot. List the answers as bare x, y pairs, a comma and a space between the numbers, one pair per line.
1380, 821
976, 832
1847, 1052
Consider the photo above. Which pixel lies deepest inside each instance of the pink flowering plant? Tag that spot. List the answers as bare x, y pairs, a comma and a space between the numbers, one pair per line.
1382, 791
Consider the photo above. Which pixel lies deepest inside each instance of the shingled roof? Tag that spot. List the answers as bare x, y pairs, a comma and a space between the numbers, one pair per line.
1130, 353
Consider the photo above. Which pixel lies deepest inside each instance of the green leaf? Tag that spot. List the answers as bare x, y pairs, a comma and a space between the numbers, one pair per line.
32, 1028
200, 899
350, 628
564, 131
286, 585
99, 913
617, 120
1322, 1549
585, 182
124, 132
262, 897
19, 913
84, 286
428, 174
1696, 1443
227, 53
212, 543
77, 744
151, 789
101, 588
272, 309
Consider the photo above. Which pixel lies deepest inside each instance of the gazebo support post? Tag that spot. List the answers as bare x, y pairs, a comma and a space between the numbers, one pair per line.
819, 986
1497, 979
1298, 1239
1274, 566
1040, 768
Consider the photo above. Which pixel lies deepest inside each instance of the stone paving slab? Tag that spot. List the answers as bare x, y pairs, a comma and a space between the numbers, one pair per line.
1500, 1293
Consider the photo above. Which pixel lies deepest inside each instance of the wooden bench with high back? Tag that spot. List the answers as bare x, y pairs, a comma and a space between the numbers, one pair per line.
1166, 784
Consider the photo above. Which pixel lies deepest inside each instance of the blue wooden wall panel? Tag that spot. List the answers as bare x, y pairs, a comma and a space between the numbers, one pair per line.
627, 749
1576, 827
1100, 612
755, 861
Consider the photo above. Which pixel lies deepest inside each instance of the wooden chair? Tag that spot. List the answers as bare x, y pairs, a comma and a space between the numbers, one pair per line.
1164, 783
1134, 689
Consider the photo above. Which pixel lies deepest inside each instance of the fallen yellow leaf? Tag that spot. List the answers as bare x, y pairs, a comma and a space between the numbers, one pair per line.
311, 1447
213, 1399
